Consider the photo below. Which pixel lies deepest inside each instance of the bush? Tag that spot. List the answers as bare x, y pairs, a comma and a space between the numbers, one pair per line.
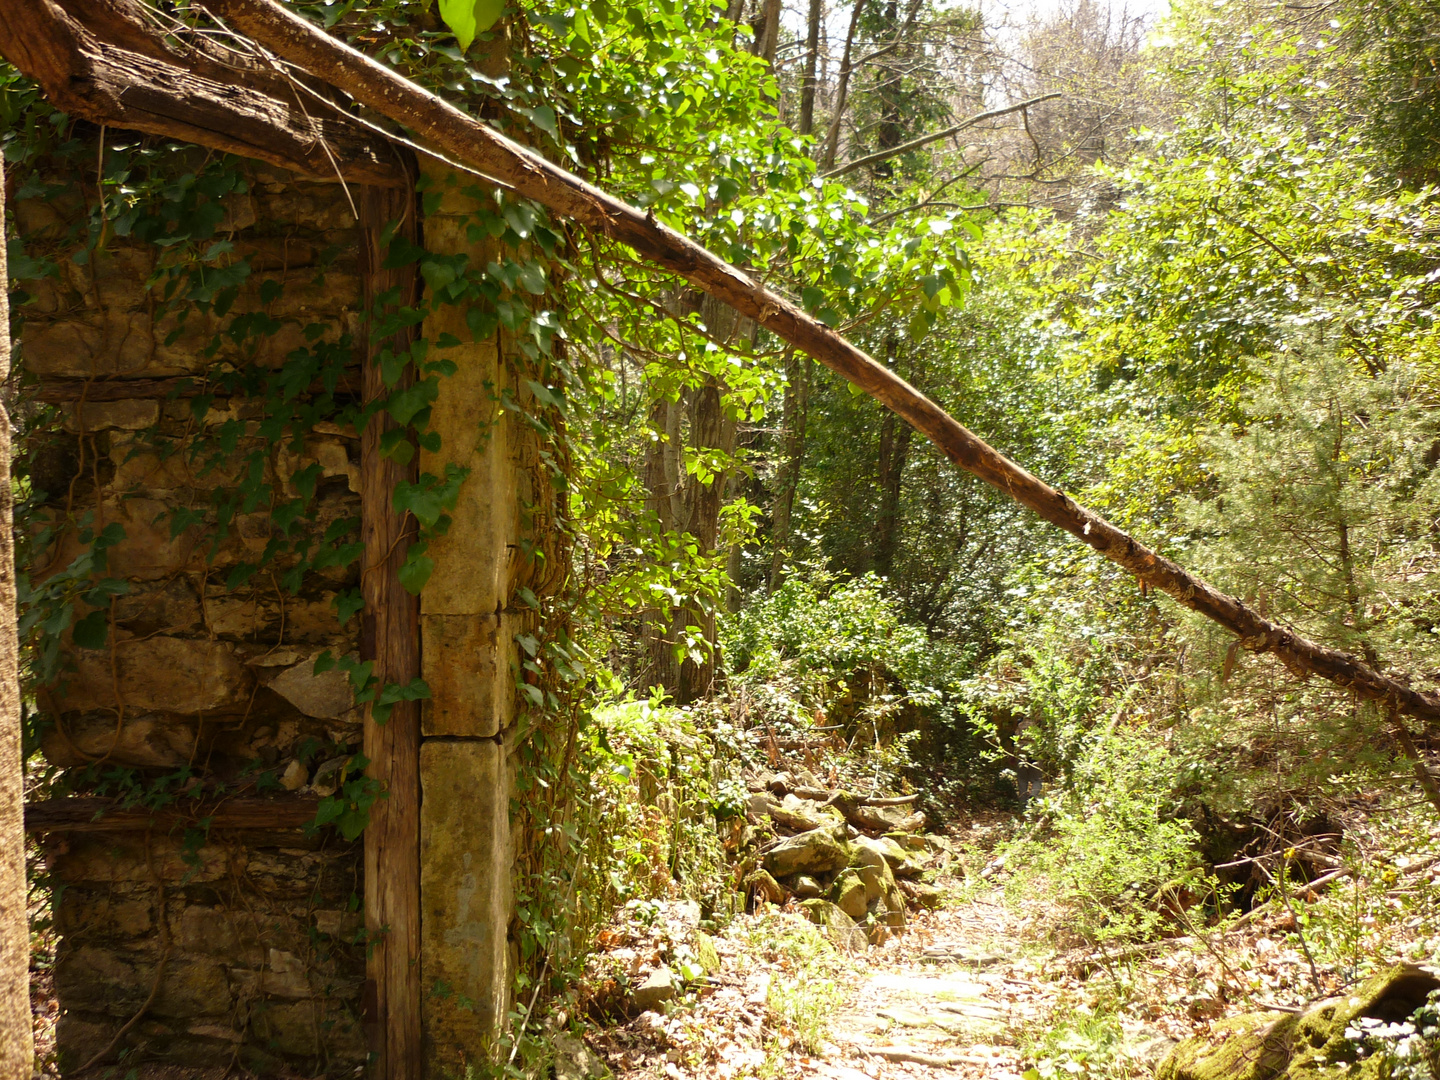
1109, 851
830, 651
660, 790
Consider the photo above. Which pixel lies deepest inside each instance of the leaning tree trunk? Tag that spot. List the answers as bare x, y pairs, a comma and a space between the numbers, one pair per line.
477, 144
17, 1055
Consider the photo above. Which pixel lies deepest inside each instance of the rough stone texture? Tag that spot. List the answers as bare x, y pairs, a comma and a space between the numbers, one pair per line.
468, 661
249, 967
763, 884
327, 695
471, 619
838, 927
250, 936
657, 988
849, 894
576, 1061
817, 851
1311, 1046
466, 859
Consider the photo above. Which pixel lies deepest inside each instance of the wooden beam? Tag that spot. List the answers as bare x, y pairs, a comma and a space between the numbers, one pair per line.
391, 638
89, 814
62, 391
192, 99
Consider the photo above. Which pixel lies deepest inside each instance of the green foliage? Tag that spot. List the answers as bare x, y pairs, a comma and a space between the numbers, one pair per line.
809, 976
658, 791
1110, 850
838, 651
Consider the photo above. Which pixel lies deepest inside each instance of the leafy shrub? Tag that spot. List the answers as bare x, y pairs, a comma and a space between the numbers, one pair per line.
831, 651
659, 791
1109, 849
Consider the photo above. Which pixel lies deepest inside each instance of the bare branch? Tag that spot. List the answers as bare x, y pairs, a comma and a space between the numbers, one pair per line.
926, 140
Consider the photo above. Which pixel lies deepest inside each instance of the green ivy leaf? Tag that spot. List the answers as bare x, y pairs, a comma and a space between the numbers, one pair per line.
416, 571
92, 631
466, 18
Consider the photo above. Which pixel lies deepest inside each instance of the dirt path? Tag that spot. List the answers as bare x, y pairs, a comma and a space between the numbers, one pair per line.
951, 997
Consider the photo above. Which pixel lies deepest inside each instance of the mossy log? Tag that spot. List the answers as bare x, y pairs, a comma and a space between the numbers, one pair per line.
1270, 1045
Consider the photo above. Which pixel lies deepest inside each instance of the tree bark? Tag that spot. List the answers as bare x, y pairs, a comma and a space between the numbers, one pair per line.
663, 499
812, 61
17, 1051
842, 90
794, 414
894, 450
391, 638
102, 78
532, 176
96, 815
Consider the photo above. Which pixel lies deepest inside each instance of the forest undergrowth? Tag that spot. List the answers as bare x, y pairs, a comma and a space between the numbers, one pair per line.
1078, 951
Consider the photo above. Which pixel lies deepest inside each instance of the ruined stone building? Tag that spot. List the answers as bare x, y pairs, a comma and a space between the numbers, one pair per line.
209, 923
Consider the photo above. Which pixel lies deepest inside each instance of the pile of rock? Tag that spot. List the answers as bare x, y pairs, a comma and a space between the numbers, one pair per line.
855, 863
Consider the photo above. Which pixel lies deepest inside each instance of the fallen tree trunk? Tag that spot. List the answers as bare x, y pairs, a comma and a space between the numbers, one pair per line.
475, 144
112, 69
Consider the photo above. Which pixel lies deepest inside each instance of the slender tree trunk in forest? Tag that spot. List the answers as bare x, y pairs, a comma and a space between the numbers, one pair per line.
17, 1051
889, 135
812, 61
799, 370
894, 450
710, 429
767, 32
663, 500
842, 90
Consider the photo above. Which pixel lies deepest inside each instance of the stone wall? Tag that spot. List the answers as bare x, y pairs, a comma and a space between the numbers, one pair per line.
247, 945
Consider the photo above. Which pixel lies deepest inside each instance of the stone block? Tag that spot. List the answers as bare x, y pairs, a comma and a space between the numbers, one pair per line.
130, 415
468, 663
167, 606
339, 924
313, 208
159, 674
98, 859
659, 987
310, 1029
466, 857
114, 277
114, 343
817, 851
85, 915
148, 552
192, 987
102, 980
147, 742
474, 559
325, 696
79, 1037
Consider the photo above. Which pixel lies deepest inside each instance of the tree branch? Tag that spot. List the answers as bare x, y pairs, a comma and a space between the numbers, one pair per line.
926, 140
532, 176
453, 132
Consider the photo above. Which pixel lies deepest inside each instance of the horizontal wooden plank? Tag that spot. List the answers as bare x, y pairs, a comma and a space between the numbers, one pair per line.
90, 814
60, 391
